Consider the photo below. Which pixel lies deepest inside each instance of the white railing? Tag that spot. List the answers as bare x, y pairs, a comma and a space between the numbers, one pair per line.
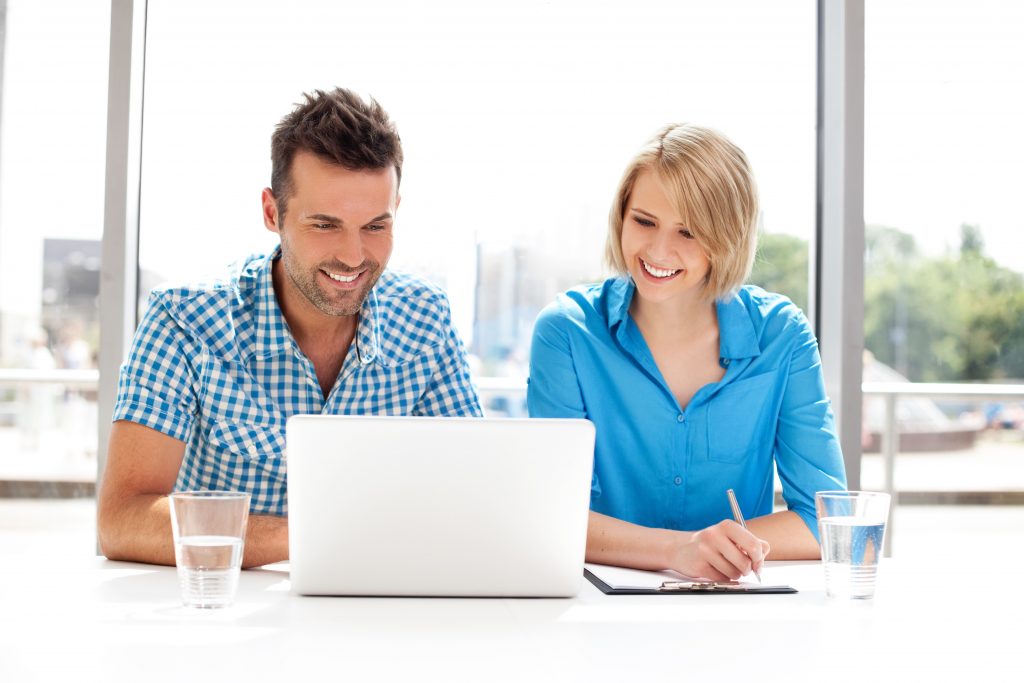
78, 379
891, 391
491, 387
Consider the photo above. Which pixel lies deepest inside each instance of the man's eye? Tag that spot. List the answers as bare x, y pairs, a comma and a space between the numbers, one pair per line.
376, 227
644, 222
323, 226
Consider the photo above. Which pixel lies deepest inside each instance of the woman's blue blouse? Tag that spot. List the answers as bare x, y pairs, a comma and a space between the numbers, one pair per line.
660, 466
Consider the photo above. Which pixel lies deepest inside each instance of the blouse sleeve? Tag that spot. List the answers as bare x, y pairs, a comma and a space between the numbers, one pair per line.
807, 451
553, 389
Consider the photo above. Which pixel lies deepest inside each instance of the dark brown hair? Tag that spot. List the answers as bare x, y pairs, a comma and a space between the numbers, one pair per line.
339, 127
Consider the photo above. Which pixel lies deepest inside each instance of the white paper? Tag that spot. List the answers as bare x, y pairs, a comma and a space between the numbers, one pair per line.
621, 577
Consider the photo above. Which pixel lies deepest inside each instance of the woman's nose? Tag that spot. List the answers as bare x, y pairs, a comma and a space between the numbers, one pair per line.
660, 246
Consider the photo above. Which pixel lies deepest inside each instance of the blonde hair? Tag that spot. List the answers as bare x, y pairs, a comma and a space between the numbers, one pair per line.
709, 180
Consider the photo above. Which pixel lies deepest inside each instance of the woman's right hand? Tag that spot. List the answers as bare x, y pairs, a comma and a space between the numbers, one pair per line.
722, 552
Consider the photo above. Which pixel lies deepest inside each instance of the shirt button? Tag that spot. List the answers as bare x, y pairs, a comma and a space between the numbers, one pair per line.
680, 418
678, 480
724, 362
253, 452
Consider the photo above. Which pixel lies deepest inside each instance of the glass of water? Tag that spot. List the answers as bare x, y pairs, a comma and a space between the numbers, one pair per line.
209, 536
852, 529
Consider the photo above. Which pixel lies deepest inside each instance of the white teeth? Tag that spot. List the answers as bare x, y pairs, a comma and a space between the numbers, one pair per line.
657, 272
342, 278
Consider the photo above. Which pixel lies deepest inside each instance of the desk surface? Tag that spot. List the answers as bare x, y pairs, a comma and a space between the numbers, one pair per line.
91, 619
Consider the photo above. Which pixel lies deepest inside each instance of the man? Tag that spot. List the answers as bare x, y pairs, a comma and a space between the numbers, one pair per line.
318, 326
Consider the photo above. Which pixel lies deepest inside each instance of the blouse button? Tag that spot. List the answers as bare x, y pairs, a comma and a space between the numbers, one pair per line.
680, 418
678, 480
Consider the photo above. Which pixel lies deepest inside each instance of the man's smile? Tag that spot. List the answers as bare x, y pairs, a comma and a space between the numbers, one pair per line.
344, 281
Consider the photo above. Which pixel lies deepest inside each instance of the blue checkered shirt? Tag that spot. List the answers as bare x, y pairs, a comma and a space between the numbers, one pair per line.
216, 367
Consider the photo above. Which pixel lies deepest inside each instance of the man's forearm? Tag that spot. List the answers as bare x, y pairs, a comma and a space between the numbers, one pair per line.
266, 540
136, 530
139, 530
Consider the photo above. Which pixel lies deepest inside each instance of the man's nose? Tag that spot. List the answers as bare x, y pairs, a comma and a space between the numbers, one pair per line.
349, 247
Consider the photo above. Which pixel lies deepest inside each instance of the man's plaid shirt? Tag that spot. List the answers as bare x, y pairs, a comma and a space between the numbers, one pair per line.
215, 366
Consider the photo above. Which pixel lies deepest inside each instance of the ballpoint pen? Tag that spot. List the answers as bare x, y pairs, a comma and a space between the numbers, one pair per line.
738, 516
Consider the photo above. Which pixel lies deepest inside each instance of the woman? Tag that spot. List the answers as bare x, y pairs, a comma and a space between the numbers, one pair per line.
695, 383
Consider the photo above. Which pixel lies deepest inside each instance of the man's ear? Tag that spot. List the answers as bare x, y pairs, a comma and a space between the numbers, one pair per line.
270, 214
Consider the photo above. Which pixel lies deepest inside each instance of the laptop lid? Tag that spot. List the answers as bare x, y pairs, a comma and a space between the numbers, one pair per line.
438, 506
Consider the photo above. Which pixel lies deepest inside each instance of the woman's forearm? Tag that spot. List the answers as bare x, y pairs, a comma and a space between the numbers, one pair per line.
615, 542
788, 536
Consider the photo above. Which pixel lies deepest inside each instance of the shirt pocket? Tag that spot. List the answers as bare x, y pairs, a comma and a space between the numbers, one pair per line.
394, 389
739, 419
247, 449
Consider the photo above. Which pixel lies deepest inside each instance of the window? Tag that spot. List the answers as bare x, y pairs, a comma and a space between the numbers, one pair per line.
944, 274
517, 121
53, 89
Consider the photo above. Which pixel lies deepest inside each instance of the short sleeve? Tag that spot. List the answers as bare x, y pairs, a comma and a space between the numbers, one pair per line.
157, 383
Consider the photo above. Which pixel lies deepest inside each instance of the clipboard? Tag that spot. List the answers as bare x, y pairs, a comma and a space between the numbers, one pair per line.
686, 587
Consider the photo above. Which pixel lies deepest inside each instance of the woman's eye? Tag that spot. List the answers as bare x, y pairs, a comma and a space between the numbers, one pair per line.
644, 222
687, 234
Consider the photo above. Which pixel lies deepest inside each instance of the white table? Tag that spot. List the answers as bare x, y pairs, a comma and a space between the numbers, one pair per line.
94, 620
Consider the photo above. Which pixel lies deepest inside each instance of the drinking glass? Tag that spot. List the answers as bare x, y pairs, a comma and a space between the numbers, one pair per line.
209, 538
851, 525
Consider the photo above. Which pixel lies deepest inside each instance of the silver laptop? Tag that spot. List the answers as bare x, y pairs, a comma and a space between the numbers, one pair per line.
438, 506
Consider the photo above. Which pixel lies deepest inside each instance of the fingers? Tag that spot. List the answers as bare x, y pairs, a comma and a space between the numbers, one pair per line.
739, 562
750, 545
710, 573
725, 566
728, 551
765, 549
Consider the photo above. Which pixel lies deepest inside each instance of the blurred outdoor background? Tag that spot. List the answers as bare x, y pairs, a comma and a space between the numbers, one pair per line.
517, 119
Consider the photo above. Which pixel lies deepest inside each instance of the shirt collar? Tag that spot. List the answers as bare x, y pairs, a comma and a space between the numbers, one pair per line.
738, 338
736, 333
367, 343
274, 336
620, 294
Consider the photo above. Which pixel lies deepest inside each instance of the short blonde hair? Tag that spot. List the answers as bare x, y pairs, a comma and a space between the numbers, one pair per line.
709, 180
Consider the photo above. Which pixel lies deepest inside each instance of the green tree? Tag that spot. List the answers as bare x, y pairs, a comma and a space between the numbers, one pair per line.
971, 241
954, 318
892, 319
942, 319
884, 246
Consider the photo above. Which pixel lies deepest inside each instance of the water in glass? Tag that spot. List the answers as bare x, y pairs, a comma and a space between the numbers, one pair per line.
850, 549
208, 568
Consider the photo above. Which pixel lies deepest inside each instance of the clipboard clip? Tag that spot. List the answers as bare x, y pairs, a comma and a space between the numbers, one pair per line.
699, 586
